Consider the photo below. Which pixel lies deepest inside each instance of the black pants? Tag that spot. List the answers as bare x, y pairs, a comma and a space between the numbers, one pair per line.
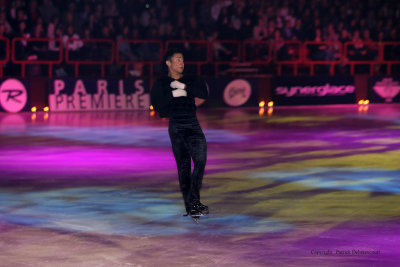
188, 142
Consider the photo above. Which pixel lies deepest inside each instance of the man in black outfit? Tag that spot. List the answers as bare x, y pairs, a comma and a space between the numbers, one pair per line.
173, 96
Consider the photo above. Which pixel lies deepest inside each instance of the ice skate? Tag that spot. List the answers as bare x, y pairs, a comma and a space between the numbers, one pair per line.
195, 214
197, 210
203, 209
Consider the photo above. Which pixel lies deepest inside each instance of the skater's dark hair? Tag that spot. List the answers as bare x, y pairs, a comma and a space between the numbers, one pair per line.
168, 55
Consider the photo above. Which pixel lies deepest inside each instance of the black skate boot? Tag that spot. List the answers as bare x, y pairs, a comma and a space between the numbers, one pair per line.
203, 209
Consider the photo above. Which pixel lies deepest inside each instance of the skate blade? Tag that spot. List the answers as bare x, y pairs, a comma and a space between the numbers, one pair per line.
197, 215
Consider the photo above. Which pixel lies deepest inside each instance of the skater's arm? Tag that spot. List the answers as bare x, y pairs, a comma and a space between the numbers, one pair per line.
160, 98
197, 87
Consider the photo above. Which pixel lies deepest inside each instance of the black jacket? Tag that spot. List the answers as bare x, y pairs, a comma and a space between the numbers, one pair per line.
166, 105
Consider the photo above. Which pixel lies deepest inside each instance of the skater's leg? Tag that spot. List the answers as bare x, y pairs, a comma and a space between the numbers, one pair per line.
183, 161
198, 150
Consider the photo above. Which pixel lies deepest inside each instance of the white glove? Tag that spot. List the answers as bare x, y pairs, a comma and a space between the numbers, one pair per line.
177, 85
179, 93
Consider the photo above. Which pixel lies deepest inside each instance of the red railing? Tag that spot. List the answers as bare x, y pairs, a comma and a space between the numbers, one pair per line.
36, 56
4, 41
201, 52
224, 52
362, 53
287, 53
133, 53
394, 51
260, 52
322, 53
89, 52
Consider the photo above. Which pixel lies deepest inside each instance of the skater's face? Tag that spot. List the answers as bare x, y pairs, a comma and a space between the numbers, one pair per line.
176, 64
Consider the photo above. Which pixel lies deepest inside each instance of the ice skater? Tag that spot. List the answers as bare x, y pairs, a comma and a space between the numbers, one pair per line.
173, 96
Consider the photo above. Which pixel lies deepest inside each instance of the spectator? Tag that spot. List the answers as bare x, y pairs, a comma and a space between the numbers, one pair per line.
260, 31
94, 26
21, 46
71, 19
287, 30
16, 5
135, 25
169, 33
372, 49
193, 29
112, 9
21, 16
3, 35
224, 25
7, 26
278, 46
344, 36
120, 25
33, 12
357, 50
47, 10
51, 27
220, 52
217, 6
246, 30
84, 15
58, 34
125, 50
112, 32
71, 39
298, 31
37, 49
237, 19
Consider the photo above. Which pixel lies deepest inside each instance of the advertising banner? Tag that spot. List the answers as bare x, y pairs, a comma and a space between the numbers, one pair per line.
14, 95
384, 89
225, 92
98, 94
313, 90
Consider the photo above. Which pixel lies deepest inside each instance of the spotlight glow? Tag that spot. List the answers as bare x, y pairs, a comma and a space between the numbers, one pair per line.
363, 102
34, 109
46, 109
261, 104
270, 104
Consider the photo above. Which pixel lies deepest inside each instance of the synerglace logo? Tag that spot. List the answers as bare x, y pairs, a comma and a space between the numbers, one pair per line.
320, 90
237, 92
13, 95
387, 89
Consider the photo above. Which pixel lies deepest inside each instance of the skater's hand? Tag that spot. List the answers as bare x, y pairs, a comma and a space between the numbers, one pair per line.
177, 85
179, 93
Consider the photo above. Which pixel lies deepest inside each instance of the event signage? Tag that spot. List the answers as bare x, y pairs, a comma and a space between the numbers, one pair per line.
385, 89
13, 95
313, 90
228, 92
98, 94
237, 92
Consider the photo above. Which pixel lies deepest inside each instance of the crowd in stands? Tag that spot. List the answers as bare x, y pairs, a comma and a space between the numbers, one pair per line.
274, 20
